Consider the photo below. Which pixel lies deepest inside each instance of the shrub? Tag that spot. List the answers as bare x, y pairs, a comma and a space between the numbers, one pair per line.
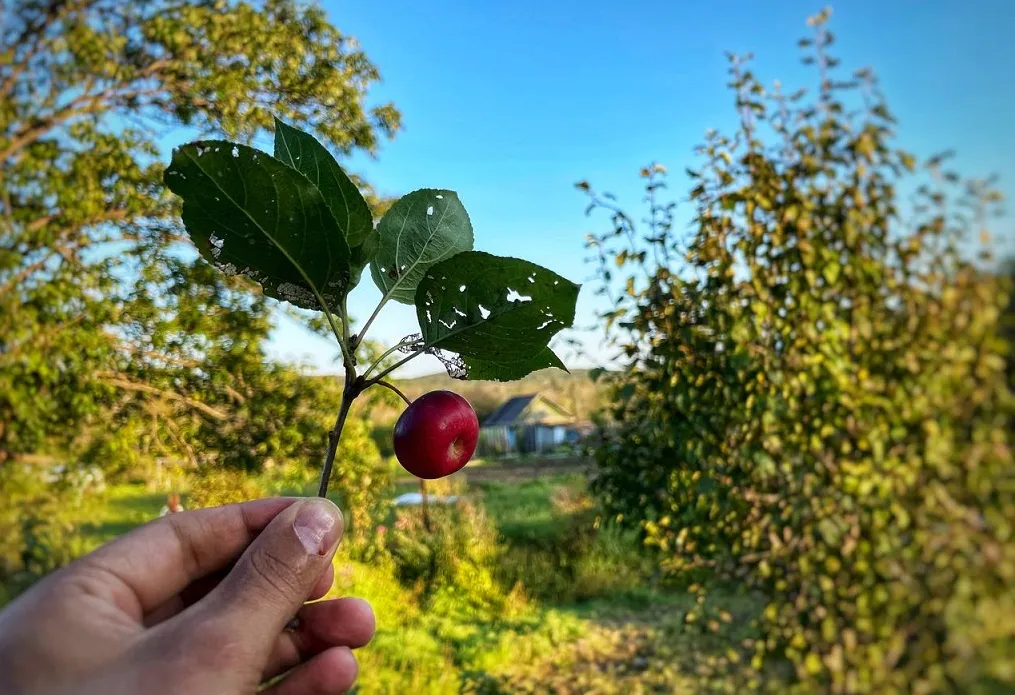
37, 534
450, 559
217, 486
817, 404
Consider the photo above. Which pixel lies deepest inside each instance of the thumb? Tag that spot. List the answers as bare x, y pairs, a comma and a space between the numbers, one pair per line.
278, 571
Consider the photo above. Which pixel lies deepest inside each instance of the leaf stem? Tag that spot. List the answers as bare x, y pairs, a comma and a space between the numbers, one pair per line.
339, 335
397, 346
391, 387
395, 366
377, 310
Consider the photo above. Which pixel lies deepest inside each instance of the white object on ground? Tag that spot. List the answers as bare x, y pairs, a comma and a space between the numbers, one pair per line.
413, 498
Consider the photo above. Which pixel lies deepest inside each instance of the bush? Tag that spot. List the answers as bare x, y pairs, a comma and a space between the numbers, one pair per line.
449, 561
218, 486
817, 404
37, 534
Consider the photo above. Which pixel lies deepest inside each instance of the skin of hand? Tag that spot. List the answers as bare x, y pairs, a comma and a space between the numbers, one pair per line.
195, 602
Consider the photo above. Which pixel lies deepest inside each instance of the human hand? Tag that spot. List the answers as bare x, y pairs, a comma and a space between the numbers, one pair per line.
195, 602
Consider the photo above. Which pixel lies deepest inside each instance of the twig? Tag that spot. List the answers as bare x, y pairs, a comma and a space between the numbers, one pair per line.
348, 395
172, 395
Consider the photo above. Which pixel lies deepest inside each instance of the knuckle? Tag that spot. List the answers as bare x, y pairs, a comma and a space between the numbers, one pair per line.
190, 548
275, 572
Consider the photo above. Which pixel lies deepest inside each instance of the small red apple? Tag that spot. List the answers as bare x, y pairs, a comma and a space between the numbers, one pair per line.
436, 435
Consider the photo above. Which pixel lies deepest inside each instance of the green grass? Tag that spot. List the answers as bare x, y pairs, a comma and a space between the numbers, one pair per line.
124, 507
523, 511
564, 607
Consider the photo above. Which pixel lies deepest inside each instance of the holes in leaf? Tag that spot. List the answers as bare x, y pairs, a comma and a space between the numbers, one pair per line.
216, 241
484, 312
236, 151
459, 312
447, 325
461, 288
440, 197
515, 296
544, 324
429, 210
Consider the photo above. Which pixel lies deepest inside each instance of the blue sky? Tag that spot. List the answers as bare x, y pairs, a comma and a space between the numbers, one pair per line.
511, 103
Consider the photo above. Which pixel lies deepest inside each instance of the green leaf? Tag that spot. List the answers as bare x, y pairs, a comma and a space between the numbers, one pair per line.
249, 213
491, 308
305, 154
510, 370
421, 228
831, 272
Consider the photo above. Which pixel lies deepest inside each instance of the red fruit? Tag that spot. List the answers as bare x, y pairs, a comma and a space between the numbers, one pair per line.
436, 435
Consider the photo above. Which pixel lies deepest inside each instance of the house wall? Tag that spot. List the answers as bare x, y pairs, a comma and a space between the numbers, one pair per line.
538, 439
495, 441
539, 429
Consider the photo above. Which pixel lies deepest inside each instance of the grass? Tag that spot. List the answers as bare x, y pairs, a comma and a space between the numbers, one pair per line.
538, 600
524, 511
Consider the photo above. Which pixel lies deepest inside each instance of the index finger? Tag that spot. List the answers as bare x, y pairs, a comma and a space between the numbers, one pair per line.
158, 560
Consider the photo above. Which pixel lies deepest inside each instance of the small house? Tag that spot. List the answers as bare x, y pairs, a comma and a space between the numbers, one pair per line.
530, 424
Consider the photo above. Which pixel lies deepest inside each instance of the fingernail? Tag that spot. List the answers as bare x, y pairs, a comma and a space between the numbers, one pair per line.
317, 526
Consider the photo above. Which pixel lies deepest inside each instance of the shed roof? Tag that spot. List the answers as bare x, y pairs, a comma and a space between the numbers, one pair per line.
511, 410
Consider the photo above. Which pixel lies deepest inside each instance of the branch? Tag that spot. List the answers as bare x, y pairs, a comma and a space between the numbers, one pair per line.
81, 106
171, 395
57, 11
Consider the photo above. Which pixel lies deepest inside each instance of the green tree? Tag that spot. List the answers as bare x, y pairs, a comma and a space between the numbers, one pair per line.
117, 344
816, 405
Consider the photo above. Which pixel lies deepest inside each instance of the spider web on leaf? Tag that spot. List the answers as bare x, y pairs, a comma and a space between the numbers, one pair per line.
454, 365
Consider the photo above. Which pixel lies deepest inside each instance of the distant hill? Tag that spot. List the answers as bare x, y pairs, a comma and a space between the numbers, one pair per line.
575, 391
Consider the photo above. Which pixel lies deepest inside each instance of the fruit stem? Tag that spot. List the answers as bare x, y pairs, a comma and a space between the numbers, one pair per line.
392, 387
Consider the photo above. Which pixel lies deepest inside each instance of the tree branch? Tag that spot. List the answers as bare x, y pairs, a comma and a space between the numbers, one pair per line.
171, 395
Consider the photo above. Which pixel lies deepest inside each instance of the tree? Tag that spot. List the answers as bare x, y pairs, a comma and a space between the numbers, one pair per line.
816, 405
117, 344
99, 306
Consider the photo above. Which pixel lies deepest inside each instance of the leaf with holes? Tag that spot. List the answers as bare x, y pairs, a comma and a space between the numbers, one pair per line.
495, 310
249, 213
510, 370
303, 152
422, 228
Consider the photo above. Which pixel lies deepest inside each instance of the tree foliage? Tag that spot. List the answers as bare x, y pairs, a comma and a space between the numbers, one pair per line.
119, 346
816, 405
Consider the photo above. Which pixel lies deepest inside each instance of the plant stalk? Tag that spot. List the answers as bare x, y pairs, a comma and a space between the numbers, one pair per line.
426, 506
349, 394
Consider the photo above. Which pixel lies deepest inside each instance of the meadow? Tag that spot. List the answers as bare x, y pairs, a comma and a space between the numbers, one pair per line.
520, 589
